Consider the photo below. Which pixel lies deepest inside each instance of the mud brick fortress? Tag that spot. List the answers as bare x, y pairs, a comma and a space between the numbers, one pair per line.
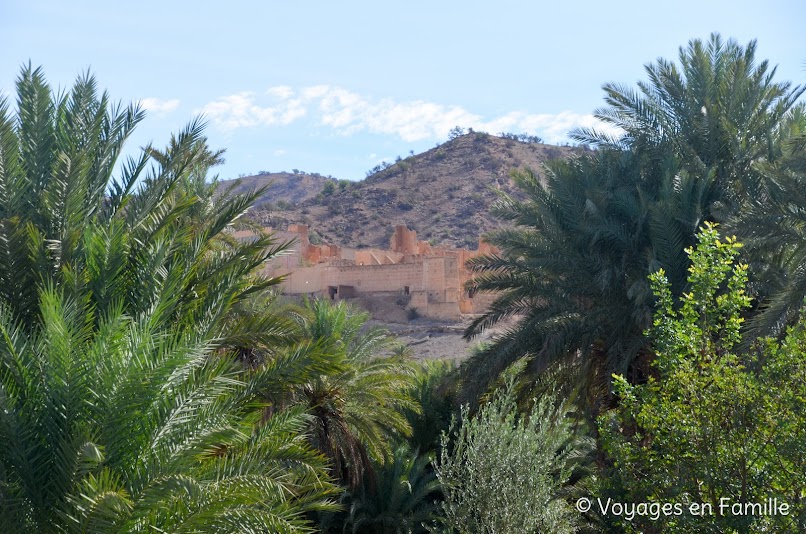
411, 273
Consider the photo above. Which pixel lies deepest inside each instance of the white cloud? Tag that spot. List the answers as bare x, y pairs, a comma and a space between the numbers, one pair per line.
159, 106
241, 111
347, 113
279, 152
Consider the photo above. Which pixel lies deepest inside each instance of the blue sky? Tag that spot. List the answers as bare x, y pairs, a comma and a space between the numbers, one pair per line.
337, 87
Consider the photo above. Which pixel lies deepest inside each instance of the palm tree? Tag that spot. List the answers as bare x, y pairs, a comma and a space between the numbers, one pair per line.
717, 113
359, 407
401, 500
574, 268
122, 406
61, 212
773, 227
573, 272
107, 424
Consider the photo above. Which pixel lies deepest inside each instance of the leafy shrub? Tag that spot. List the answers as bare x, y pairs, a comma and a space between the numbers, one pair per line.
717, 422
504, 472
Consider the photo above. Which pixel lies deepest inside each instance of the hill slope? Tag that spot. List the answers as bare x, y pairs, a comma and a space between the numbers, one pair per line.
444, 194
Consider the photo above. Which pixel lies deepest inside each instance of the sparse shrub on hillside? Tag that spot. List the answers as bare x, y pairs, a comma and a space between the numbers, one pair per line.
405, 206
522, 137
329, 188
314, 238
479, 136
457, 131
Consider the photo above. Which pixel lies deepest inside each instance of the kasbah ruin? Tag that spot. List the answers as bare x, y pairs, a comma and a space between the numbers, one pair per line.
411, 273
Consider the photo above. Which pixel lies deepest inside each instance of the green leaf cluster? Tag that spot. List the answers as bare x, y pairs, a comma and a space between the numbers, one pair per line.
714, 422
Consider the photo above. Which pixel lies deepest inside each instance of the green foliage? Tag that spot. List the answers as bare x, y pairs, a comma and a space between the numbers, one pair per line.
574, 269
456, 131
504, 472
329, 188
283, 205
158, 230
522, 137
400, 499
434, 393
717, 112
356, 404
123, 407
714, 423
109, 425
772, 226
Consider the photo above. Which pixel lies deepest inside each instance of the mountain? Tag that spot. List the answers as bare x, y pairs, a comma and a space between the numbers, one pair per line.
444, 194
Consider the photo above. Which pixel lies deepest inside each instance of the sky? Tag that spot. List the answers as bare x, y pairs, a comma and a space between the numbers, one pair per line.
338, 87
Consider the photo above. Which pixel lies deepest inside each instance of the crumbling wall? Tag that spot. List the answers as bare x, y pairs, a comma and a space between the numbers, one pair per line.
404, 240
433, 278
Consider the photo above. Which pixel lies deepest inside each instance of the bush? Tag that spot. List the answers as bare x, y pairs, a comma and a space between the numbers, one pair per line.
329, 188
716, 424
504, 472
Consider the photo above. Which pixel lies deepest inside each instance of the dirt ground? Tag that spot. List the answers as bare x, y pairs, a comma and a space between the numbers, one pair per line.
426, 338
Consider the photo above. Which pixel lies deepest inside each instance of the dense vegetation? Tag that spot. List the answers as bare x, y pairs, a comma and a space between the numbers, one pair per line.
152, 381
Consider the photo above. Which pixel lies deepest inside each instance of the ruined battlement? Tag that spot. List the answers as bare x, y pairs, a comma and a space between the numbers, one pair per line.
432, 279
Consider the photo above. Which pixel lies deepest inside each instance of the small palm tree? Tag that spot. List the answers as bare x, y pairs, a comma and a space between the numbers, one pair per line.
359, 407
402, 498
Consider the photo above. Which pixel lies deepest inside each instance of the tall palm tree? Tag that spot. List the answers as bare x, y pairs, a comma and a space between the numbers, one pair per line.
61, 212
574, 267
572, 272
717, 113
773, 228
122, 406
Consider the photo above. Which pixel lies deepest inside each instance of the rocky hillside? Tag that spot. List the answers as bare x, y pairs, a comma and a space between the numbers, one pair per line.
285, 189
444, 194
